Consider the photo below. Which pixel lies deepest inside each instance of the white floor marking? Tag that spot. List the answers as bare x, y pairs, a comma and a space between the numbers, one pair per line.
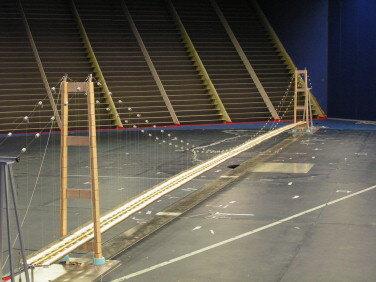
234, 214
189, 189
169, 213
240, 236
283, 167
228, 176
343, 191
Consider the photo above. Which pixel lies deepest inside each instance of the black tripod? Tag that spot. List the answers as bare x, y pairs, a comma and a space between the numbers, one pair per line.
8, 194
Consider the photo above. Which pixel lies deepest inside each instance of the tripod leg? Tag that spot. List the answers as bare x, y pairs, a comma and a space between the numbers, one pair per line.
8, 228
2, 188
20, 239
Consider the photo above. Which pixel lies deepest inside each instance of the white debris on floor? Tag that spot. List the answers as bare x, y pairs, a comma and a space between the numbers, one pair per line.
343, 191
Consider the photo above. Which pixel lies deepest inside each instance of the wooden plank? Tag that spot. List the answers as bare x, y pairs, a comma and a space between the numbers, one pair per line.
78, 193
78, 141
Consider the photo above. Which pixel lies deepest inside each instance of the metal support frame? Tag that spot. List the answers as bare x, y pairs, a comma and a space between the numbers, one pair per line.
301, 94
91, 142
7, 195
200, 66
97, 70
150, 63
282, 51
245, 60
40, 65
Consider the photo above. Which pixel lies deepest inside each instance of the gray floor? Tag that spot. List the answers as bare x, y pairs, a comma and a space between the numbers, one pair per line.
334, 243
129, 163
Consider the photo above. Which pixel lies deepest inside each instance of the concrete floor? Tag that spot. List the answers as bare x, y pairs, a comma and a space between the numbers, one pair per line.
129, 163
332, 243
